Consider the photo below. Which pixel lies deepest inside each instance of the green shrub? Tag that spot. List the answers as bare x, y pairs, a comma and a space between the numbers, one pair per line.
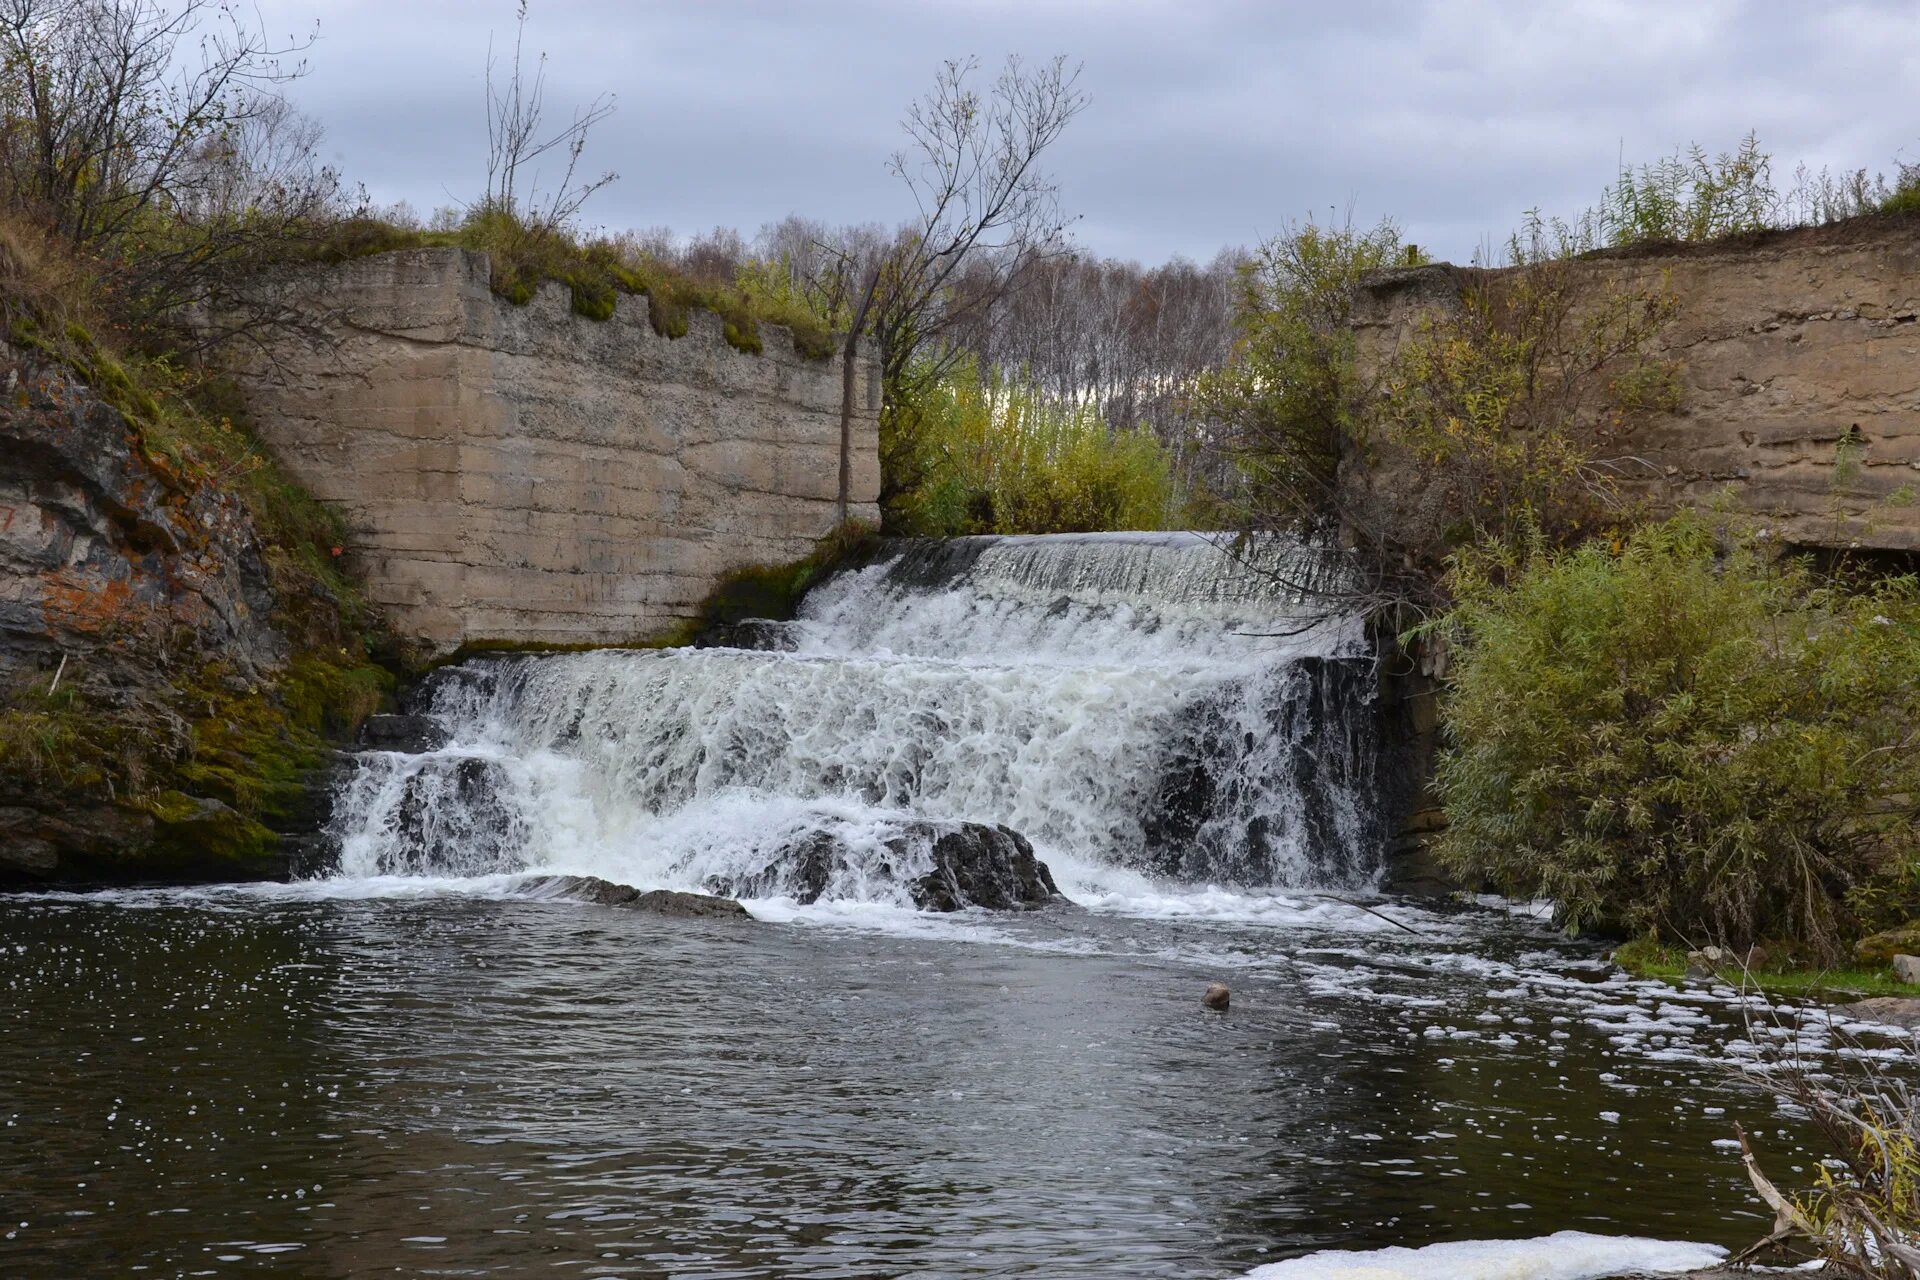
1689, 744
1284, 403
1000, 458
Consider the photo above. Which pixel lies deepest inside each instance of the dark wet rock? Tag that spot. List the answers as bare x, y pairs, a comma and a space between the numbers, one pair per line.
1217, 996
608, 893
980, 866
1202, 775
691, 906
311, 857
765, 634
974, 865
411, 734
451, 819
43, 838
1895, 1011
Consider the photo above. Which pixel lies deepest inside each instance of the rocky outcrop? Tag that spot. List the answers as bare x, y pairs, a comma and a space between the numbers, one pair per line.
106, 558
1881, 948
1796, 363
972, 865
659, 902
975, 865
523, 473
120, 581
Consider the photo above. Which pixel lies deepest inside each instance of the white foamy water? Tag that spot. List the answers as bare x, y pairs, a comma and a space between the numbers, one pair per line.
1565, 1255
1157, 717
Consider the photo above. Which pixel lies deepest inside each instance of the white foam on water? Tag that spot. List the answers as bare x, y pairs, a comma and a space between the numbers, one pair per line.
1565, 1255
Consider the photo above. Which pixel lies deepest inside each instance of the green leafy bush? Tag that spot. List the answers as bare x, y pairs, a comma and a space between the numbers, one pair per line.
1284, 402
1689, 743
1001, 458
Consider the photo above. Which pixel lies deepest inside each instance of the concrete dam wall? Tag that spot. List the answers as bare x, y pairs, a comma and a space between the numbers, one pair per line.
525, 474
1797, 355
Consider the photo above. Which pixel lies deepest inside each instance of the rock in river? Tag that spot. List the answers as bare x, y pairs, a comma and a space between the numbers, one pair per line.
606, 893
942, 866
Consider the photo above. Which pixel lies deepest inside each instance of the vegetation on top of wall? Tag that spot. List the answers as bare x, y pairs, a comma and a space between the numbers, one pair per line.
1696, 197
596, 274
1286, 400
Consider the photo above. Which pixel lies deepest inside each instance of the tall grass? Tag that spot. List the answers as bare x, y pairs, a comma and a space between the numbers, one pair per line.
596, 274
1693, 196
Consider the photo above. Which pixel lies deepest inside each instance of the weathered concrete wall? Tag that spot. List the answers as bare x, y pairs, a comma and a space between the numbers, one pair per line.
525, 474
1786, 345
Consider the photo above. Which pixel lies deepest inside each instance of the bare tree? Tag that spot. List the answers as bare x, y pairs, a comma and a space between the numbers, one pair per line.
983, 202
152, 138
518, 138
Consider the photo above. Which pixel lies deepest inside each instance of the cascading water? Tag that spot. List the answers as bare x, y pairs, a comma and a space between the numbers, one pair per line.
1137, 705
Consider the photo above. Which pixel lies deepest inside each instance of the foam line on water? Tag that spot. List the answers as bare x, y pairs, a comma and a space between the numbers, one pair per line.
1565, 1255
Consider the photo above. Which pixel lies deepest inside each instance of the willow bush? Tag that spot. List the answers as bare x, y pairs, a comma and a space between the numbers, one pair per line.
1000, 457
1697, 743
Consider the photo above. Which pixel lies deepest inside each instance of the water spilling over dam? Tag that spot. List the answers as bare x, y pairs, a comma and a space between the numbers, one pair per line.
1137, 705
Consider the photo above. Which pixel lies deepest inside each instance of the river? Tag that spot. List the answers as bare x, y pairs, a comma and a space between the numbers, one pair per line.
411, 1066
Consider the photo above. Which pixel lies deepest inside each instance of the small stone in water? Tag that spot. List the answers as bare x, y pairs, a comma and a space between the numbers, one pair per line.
1216, 997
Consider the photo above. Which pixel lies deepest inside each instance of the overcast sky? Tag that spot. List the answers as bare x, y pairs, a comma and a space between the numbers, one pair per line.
1210, 123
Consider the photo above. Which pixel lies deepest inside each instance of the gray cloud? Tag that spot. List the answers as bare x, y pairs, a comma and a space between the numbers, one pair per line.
1211, 123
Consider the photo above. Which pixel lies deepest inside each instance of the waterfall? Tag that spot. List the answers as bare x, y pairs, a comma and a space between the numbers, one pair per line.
1137, 703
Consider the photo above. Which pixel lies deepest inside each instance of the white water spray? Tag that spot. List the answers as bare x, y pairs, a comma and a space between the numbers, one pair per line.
1136, 705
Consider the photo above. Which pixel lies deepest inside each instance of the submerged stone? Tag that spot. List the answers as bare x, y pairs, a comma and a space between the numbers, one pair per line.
609, 893
412, 734
1894, 1011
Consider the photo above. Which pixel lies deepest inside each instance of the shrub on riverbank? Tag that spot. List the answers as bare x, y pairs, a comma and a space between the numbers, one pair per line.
1697, 743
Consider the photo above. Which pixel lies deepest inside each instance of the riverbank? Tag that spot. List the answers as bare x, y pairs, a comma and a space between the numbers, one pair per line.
1833, 985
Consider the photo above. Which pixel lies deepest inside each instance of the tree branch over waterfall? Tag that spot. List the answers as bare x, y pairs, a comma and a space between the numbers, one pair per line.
986, 212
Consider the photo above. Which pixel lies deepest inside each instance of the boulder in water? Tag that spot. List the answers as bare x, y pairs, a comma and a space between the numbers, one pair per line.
411, 734
973, 865
660, 902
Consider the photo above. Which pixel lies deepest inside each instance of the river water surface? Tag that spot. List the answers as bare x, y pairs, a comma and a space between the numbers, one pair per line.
410, 1067
304, 1083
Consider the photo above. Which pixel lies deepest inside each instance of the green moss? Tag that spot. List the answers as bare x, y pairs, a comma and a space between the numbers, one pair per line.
1880, 948
666, 317
774, 591
192, 830
1647, 958
743, 337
